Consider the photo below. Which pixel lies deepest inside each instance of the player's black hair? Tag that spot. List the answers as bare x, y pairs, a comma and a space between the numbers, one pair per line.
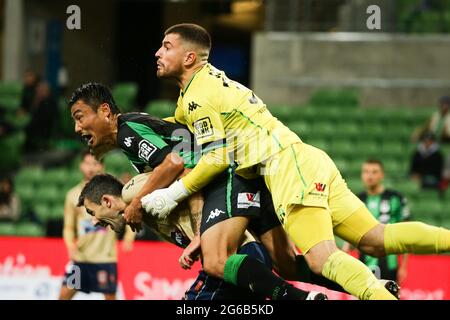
94, 94
192, 33
98, 186
375, 161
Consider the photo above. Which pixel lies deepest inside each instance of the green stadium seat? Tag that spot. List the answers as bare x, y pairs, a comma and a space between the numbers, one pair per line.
56, 176
366, 150
342, 149
332, 97
30, 175
423, 208
10, 95
318, 143
347, 130
308, 113
354, 168
369, 118
342, 165
408, 187
394, 168
429, 195
125, 94
392, 149
446, 222
73, 178
355, 185
9, 103
43, 210
17, 122
30, 230
7, 228
11, 145
11, 88
356, 115
322, 130
420, 116
301, 128
48, 194
57, 211
373, 131
117, 163
26, 193
332, 114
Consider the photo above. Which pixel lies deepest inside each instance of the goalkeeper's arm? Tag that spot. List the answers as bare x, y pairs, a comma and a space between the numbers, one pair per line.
209, 166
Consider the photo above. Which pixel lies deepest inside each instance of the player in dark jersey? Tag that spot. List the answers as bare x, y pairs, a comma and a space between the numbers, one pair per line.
387, 206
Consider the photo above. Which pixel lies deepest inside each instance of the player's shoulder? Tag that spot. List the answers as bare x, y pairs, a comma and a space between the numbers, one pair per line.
136, 117
138, 123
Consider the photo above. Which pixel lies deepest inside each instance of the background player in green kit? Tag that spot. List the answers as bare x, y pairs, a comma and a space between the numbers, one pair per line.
387, 206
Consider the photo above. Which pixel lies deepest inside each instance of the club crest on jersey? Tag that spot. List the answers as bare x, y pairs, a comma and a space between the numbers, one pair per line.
320, 186
203, 128
247, 199
146, 149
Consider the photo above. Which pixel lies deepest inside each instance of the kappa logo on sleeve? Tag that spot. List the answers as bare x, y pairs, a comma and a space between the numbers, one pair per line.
193, 106
203, 128
128, 141
146, 149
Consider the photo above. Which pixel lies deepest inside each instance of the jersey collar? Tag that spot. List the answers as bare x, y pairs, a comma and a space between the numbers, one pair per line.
183, 92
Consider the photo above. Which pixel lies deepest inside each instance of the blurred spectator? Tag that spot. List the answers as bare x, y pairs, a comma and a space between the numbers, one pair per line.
44, 119
91, 247
427, 162
387, 206
30, 81
439, 123
9, 202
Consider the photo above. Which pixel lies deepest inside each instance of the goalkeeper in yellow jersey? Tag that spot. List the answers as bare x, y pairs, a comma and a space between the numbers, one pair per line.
311, 199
